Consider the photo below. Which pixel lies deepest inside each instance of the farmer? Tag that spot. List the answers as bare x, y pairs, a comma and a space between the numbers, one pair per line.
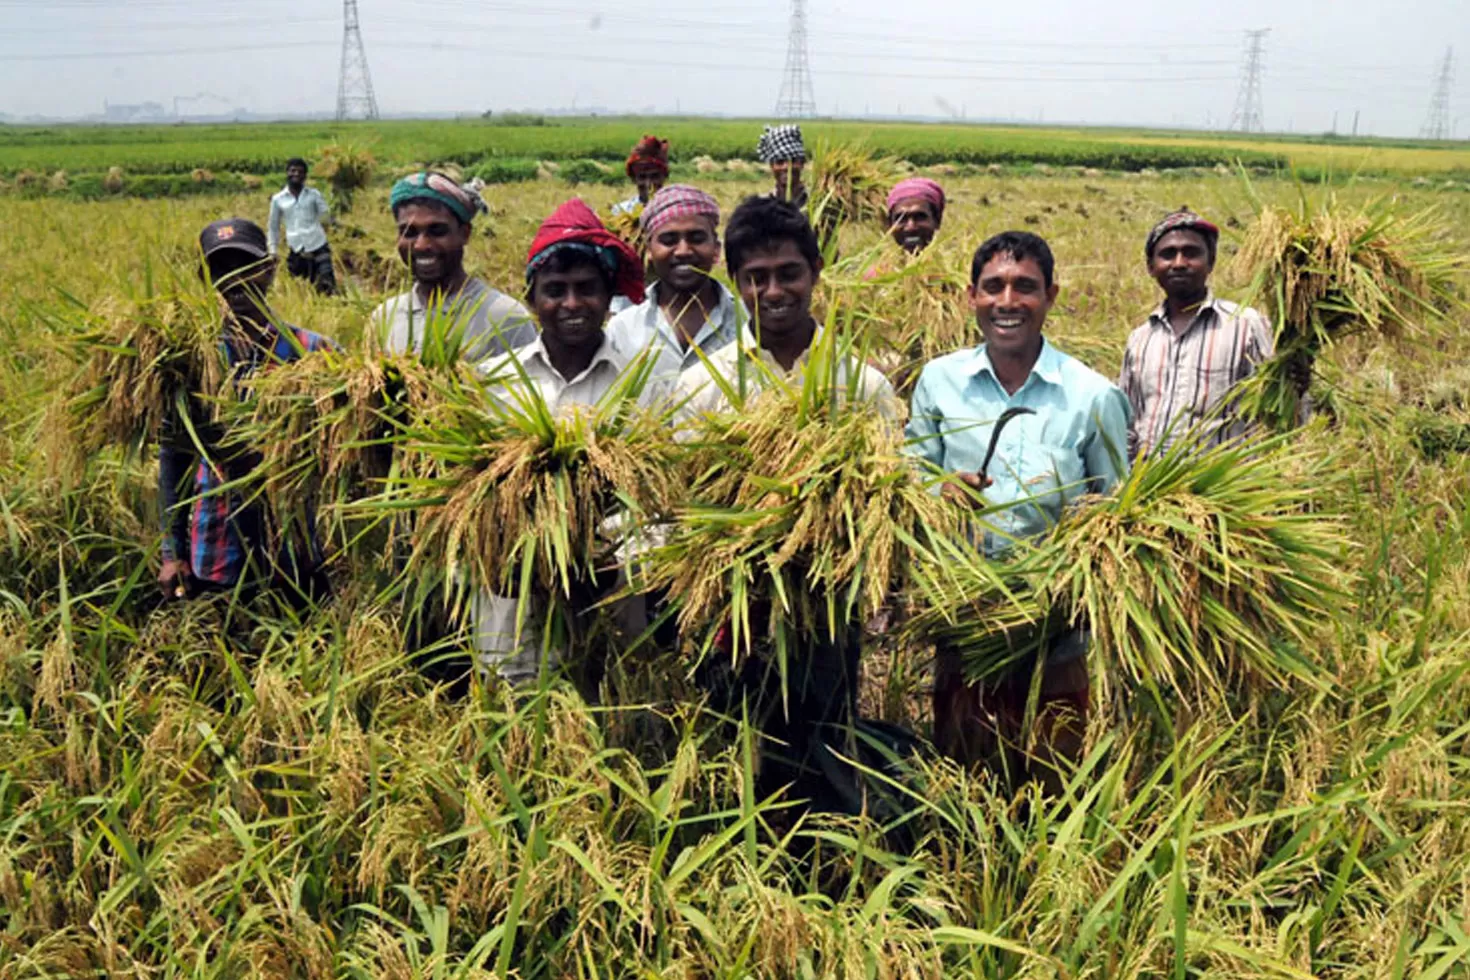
1071, 440
213, 540
780, 147
915, 210
1181, 365
301, 211
688, 312
647, 168
772, 255
573, 269
434, 215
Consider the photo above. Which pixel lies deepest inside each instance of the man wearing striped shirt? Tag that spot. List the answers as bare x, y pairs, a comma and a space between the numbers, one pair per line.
1181, 366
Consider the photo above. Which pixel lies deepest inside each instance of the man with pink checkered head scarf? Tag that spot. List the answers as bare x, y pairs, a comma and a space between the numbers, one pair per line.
687, 310
915, 210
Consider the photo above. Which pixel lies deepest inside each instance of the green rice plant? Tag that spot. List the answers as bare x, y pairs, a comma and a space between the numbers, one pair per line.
1208, 570
1327, 271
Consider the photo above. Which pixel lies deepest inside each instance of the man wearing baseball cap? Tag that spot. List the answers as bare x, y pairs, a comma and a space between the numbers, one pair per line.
1182, 364
213, 540
687, 310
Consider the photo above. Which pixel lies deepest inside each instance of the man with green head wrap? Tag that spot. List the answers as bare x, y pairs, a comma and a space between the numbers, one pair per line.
434, 216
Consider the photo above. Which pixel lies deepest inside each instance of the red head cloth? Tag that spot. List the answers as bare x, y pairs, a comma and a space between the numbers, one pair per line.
575, 224
918, 188
650, 151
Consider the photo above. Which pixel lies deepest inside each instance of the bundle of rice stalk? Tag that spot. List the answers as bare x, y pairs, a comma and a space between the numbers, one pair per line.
528, 500
147, 359
849, 184
1205, 571
628, 225
1326, 272
803, 511
348, 167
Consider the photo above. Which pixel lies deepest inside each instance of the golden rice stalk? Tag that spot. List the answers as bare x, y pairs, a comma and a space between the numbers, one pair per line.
1208, 568
347, 166
147, 359
628, 225
803, 511
1325, 272
521, 497
849, 184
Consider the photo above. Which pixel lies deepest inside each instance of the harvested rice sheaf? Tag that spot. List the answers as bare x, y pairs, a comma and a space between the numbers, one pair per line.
1325, 273
1206, 570
145, 360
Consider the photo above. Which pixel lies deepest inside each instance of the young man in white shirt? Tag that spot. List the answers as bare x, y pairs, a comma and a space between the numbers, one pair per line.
300, 211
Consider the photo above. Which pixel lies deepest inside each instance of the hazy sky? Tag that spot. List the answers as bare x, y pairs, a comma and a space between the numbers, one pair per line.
1154, 62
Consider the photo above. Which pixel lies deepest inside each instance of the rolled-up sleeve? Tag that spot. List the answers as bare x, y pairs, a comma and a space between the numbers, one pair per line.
1106, 451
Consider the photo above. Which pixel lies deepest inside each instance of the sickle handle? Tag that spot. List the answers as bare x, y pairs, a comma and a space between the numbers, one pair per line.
1000, 424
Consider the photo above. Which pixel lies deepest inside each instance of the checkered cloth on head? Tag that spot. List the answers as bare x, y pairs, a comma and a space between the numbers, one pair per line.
780, 143
1182, 219
678, 201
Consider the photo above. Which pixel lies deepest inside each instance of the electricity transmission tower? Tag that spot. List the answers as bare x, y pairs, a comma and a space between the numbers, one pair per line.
1246, 116
355, 99
796, 100
1437, 123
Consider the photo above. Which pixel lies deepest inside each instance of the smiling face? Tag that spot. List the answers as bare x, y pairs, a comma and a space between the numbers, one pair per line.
914, 223
296, 176
571, 300
431, 241
682, 252
1181, 265
1011, 300
776, 283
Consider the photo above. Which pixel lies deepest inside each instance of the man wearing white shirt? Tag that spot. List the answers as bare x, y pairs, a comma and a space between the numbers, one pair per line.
573, 269
300, 211
688, 312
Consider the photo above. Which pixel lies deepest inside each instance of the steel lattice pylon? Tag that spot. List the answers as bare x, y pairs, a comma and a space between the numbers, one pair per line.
796, 100
355, 99
1247, 116
1437, 123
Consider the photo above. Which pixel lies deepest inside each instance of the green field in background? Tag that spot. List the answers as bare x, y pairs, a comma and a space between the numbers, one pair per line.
262, 148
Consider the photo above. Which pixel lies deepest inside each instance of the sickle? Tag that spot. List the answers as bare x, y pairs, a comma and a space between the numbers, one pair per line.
1000, 425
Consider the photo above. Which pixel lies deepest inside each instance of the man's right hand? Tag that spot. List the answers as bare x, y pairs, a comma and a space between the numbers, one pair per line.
176, 578
965, 488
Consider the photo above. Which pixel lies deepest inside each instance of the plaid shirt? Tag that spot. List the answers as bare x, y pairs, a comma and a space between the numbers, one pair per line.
208, 520
1175, 381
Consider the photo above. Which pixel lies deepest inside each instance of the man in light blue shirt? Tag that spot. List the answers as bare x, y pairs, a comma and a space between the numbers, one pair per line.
1067, 437
300, 210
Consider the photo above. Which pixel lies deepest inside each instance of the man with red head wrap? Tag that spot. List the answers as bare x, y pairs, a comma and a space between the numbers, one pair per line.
648, 169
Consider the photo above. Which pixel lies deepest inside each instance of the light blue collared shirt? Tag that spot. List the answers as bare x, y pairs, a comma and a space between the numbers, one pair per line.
1076, 443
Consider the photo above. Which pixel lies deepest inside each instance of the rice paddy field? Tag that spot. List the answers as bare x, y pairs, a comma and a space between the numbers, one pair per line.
216, 790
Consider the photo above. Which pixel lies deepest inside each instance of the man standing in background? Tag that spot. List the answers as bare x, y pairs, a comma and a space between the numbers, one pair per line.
781, 149
301, 211
648, 169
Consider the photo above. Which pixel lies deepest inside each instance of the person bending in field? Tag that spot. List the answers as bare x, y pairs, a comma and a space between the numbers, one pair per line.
573, 269
647, 168
1182, 364
915, 211
781, 149
434, 216
300, 211
212, 539
687, 312
772, 256
1069, 439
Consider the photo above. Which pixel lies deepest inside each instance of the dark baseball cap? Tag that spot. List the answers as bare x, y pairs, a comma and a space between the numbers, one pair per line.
236, 233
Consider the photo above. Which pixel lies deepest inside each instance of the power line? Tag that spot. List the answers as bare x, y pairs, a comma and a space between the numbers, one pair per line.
796, 100
355, 99
1437, 123
1247, 116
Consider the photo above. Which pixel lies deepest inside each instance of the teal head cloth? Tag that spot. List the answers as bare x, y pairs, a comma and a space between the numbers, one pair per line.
431, 186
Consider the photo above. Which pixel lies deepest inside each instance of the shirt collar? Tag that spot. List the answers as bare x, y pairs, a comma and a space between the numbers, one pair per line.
724, 310
468, 293
1160, 315
1048, 366
606, 354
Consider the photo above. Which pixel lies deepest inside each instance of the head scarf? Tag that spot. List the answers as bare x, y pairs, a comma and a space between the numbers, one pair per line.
781, 143
1186, 220
678, 201
918, 188
429, 185
575, 227
650, 151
